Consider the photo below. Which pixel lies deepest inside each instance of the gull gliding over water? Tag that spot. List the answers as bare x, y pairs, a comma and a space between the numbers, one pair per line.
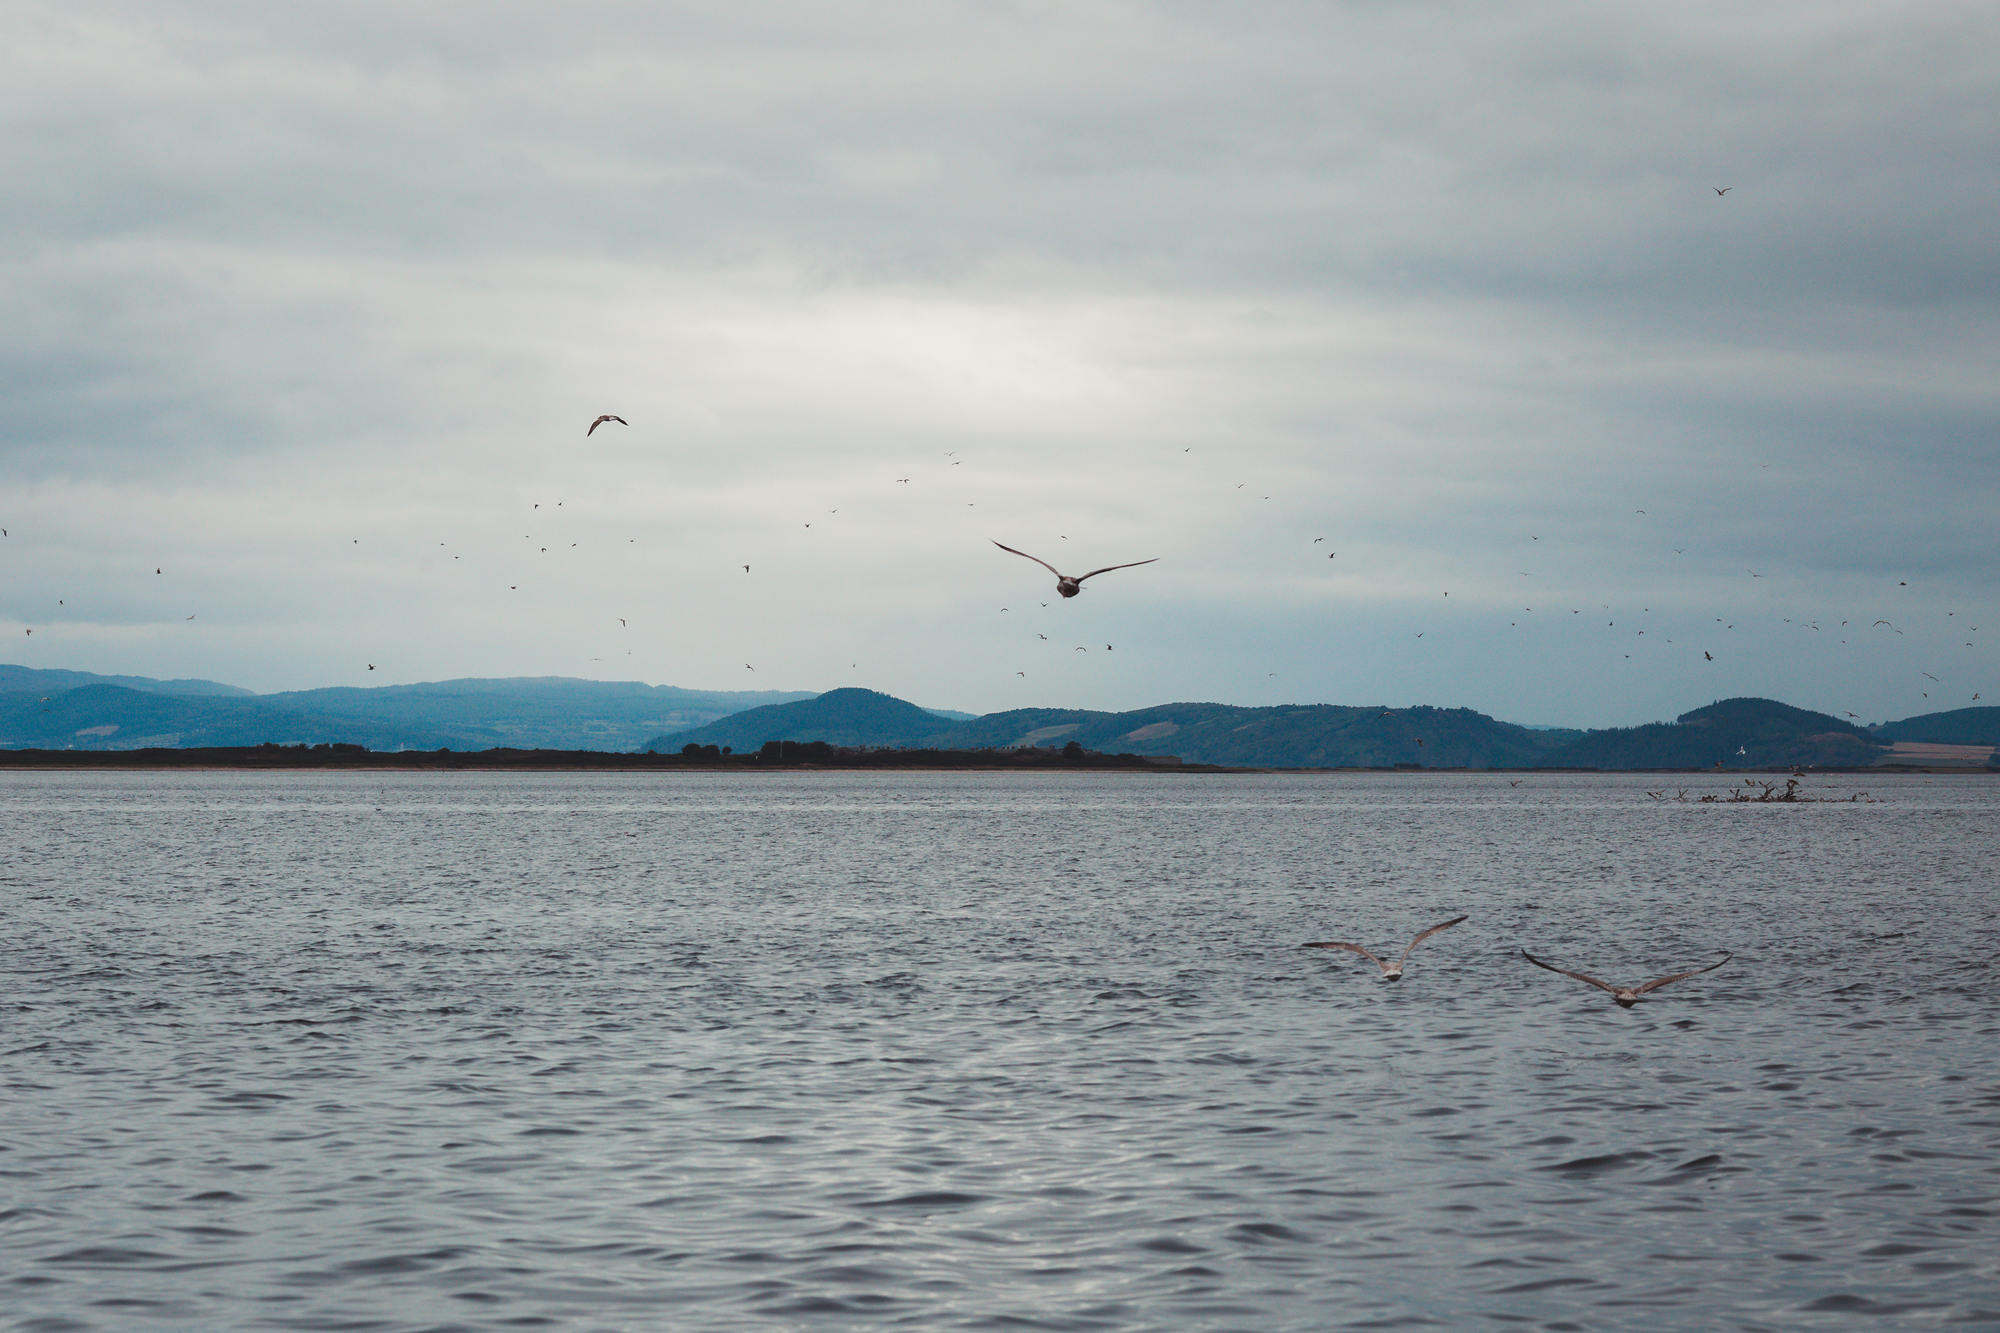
1390, 971
1627, 996
1067, 586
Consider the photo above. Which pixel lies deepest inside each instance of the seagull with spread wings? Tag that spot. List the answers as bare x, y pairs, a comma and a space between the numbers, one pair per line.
1067, 586
606, 417
1627, 996
1390, 971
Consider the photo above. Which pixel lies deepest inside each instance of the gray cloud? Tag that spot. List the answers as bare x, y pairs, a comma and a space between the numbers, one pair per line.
1449, 284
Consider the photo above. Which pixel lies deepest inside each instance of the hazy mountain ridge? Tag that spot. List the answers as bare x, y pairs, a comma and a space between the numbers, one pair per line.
112, 717
40, 680
853, 717
78, 710
533, 712
1731, 733
1287, 736
1959, 726
54, 709
1742, 733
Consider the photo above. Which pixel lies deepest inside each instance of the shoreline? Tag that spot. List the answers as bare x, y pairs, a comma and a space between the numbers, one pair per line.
342, 758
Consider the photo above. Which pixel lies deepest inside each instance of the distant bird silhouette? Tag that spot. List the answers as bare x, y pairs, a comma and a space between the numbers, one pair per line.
1627, 996
606, 417
1390, 971
1721, 190
1708, 656
1067, 586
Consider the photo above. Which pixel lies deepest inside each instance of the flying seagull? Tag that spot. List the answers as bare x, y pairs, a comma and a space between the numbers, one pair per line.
1627, 996
1067, 586
1390, 971
606, 417
1721, 190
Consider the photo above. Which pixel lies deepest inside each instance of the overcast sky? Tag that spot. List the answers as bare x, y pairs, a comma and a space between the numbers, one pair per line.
1413, 339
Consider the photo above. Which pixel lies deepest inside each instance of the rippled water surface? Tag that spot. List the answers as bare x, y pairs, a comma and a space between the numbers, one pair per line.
972, 1051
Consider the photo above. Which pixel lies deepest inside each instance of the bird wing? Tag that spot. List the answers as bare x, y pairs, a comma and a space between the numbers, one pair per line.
1682, 976
1442, 925
1351, 948
1037, 559
1604, 985
1108, 568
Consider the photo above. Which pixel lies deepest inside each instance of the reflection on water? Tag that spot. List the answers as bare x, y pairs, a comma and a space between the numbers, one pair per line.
990, 1051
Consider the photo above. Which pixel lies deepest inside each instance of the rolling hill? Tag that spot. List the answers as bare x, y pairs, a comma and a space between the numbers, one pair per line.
79, 710
112, 717
1301, 736
1732, 733
1960, 726
852, 717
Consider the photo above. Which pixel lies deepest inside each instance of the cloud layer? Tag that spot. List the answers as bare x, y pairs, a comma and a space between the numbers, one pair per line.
308, 311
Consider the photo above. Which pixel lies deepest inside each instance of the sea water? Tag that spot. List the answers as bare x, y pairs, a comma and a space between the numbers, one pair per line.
993, 1051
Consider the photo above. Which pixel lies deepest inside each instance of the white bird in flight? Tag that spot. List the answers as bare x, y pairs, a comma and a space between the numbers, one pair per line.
1390, 971
1627, 996
1067, 586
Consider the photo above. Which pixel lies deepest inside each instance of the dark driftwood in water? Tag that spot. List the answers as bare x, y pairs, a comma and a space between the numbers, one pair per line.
775, 755
1762, 793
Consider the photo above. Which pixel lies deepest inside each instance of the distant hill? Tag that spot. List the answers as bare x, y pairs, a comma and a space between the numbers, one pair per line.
1733, 733
39, 681
1300, 736
853, 717
535, 712
74, 709
56, 709
111, 717
1960, 726
1288, 736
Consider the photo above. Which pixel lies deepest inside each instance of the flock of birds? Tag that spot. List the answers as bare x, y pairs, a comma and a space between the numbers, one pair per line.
1636, 627
1625, 996
1068, 586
